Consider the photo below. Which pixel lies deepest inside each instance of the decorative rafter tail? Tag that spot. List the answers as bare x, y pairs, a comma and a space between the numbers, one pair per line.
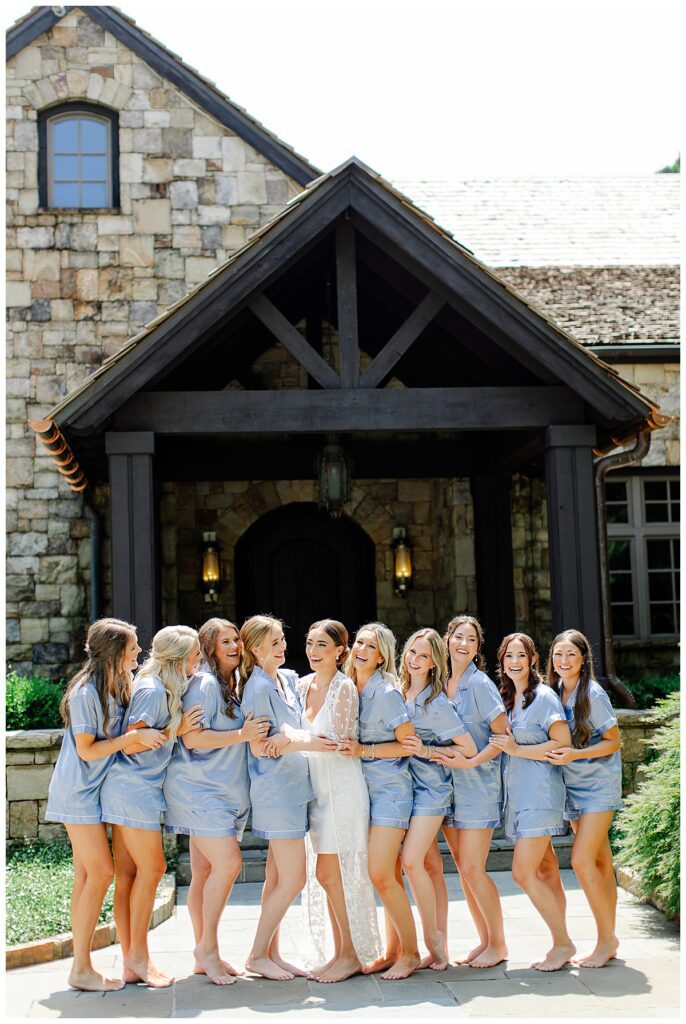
53, 440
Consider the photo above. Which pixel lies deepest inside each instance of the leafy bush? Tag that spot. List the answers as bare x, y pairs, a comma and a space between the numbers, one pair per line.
647, 691
33, 702
647, 831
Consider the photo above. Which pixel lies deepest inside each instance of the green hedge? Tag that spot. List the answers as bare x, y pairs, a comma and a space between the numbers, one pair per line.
33, 702
646, 833
648, 691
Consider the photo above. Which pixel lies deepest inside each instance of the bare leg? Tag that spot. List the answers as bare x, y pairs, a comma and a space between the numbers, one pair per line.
528, 854
345, 962
124, 875
145, 850
224, 858
384, 844
93, 873
592, 863
270, 882
433, 862
469, 847
289, 862
200, 870
549, 872
418, 839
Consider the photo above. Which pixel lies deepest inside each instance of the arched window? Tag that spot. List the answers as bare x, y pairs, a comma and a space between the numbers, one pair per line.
79, 156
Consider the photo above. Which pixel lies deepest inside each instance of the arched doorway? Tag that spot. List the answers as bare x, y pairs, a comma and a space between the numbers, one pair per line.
299, 564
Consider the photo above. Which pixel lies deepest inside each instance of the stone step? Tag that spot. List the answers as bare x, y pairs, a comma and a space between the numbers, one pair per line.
255, 858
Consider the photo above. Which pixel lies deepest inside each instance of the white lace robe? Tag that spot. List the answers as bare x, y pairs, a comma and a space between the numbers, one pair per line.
348, 793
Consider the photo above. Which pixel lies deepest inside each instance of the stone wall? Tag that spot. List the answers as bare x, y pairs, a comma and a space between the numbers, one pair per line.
81, 283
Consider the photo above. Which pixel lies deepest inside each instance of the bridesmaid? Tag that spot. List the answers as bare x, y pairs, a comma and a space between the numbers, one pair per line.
422, 671
92, 710
384, 722
477, 792
207, 790
132, 798
279, 789
592, 773
535, 791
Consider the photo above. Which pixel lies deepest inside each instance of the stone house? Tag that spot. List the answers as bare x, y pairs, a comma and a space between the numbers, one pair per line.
157, 250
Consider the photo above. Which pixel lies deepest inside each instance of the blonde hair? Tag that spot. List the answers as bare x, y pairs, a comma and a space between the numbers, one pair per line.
166, 661
105, 648
438, 673
207, 634
386, 642
252, 634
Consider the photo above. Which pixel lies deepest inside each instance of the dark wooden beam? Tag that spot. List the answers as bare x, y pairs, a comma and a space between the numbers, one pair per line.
350, 409
292, 339
407, 333
346, 284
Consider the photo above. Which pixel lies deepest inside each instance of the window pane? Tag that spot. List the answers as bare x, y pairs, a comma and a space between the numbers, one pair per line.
65, 136
623, 620
616, 491
93, 136
660, 586
620, 586
659, 554
674, 489
617, 513
662, 618
655, 490
619, 554
676, 552
657, 512
65, 194
66, 167
94, 167
94, 194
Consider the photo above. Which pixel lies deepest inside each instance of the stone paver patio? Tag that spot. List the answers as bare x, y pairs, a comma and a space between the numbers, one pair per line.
643, 983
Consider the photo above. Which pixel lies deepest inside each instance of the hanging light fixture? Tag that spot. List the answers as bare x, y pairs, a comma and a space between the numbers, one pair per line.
334, 479
211, 566
402, 561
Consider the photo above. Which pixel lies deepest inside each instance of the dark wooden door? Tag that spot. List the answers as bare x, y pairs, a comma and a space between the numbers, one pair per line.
300, 565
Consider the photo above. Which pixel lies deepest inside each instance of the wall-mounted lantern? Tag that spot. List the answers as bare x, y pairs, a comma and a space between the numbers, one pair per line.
211, 566
402, 561
334, 479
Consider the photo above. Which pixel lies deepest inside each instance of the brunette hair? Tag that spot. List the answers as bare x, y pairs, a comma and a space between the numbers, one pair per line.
338, 633
582, 707
437, 674
207, 634
507, 687
386, 642
166, 662
466, 620
252, 633
105, 647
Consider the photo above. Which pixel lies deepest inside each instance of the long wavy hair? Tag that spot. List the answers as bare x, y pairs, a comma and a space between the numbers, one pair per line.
252, 634
466, 620
438, 673
207, 634
337, 632
386, 641
582, 708
507, 687
105, 647
166, 661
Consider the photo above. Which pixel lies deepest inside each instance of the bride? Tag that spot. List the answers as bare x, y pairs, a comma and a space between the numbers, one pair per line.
338, 815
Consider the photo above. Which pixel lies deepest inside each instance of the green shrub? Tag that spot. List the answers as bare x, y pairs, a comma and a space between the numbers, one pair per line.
33, 702
647, 691
647, 831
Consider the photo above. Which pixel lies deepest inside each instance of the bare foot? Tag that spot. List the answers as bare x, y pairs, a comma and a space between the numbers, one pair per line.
403, 967
556, 958
228, 969
317, 972
438, 954
344, 967
267, 968
213, 966
297, 972
472, 955
92, 981
601, 955
491, 956
140, 970
380, 964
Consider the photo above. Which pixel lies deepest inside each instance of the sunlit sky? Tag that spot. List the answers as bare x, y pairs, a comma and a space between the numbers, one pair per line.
443, 88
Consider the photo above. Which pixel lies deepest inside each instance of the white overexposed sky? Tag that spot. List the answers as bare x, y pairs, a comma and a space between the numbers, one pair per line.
443, 88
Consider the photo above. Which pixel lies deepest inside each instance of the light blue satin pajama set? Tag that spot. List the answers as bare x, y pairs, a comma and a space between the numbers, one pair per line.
74, 792
131, 794
382, 710
477, 792
207, 792
280, 788
436, 722
534, 790
593, 783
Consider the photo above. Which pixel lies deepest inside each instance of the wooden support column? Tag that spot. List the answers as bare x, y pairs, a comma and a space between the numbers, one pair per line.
346, 285
135, 568
573, 534
492, 498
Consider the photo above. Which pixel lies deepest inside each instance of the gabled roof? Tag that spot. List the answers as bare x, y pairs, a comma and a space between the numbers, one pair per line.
172, 67
355, 190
